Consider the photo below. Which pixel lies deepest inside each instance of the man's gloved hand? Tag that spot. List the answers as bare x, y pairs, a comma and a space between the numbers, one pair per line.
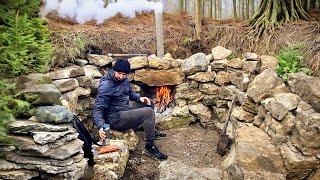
102, 134
145, 100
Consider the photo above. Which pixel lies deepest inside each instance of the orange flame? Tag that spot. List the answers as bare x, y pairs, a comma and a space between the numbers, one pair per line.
164, 96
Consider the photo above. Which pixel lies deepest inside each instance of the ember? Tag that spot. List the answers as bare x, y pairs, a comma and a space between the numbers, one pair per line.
164, 97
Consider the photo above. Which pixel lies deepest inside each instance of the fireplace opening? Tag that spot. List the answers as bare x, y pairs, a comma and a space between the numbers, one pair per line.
162, 96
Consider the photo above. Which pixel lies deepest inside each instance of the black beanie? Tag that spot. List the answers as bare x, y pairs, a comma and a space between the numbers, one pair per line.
122, 65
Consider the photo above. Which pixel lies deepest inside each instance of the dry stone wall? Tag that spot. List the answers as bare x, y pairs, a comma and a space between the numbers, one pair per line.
277, 122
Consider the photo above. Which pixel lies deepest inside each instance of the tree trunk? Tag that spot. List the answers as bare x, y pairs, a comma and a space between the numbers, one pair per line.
252, 7
215, 9
242, 9
313, 4
210, 9
235, 16
275, 12
219, 9
197, 5
247, 9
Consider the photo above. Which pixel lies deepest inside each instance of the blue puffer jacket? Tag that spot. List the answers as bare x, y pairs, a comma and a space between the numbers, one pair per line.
113, 96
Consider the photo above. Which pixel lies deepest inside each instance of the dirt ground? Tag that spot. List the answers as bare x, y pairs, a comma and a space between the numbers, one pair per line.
192, 145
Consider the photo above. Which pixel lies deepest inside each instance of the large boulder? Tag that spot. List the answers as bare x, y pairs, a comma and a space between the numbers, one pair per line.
41, 94
220, 52
195, 63
100, 60
53, 114
31, 79
179, 170
306, 134
158, 63
253, 156
203, 76
268, 62
159, 77
65, 85
203, 113
297, 165
91, 71
307, 87
265, 85
138, 62
111, 165
65, 73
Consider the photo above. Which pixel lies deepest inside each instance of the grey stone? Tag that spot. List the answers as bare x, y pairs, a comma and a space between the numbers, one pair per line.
288, 100
169, 122
307, 87
100, 60
277, 110
27, 126
306, 134
240, 80
274, 129
222, 78
71, 98
81, 62
111, 165
253, 155
41, 137
31, 79
181, 102
209, 88
53, 114
158, 63
65, 151
251, 56
236, 63
18, 174
203, 113
41, 94
209, 57
268, 62
220, 52
219, 64
179, 170
91, 71
181, 111
288, 123
250, 66
241, 115
65, 85
220, 113
210, 100
85, 81
153, 77
138, 62
65, 73
7, 165
189, 92
203, 76
195, 63
131, 138
265, 85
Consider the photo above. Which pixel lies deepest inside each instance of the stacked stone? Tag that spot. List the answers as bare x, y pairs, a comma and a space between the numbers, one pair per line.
45, 145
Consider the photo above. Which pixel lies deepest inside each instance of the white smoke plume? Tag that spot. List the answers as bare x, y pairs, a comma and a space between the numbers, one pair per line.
86, 10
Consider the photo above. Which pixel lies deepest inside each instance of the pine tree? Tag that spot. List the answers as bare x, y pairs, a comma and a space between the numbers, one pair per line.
24, 48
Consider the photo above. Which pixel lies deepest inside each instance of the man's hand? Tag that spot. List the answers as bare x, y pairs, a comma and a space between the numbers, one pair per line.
102, 134
145, 100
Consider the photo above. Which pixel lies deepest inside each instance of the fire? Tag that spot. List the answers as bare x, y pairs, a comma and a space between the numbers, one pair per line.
164, 97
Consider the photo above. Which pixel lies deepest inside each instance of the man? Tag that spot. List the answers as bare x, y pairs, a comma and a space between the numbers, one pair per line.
112, 107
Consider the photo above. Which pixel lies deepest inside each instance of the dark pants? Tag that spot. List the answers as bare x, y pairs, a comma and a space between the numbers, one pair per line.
132, 119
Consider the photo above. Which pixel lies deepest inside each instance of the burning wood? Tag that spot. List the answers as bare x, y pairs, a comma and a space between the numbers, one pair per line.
164, 97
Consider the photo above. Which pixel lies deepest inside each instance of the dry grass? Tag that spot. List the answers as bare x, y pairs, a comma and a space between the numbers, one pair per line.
124, 35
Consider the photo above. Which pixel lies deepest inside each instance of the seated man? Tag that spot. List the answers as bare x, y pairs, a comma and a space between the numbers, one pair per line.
112, 107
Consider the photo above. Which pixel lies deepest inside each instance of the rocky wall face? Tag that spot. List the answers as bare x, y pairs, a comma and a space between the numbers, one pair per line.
285, 116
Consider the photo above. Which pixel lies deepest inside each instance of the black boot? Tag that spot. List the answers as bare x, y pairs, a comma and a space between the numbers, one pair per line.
153, 151
159, 135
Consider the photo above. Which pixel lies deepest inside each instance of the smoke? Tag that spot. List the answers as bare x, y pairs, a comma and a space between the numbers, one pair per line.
86, 10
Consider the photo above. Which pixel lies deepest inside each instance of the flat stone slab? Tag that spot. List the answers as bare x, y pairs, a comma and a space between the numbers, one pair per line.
27, 126
159, 77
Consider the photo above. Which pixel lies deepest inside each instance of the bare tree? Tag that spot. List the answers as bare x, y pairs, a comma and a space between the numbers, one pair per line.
235, 16
210, 9
252, 7
247, 9
215, 9
197, 5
